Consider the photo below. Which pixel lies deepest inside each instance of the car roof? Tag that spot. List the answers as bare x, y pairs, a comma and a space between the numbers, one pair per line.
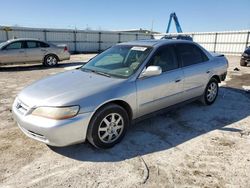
23, 39
154, 42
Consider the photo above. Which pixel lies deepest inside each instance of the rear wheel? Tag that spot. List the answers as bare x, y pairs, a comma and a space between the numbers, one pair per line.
211, 92
108, 126
50, 60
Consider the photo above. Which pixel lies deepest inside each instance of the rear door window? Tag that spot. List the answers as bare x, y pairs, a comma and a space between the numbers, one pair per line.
190, 54
32, 44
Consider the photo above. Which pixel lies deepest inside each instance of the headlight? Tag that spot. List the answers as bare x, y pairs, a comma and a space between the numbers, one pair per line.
57, 113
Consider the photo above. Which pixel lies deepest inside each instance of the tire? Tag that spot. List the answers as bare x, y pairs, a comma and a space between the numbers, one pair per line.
108, 126
211, 92
243, 63
50, 60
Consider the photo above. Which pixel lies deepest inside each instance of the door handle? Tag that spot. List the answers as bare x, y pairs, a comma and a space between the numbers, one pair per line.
208, 71
177, 80
43, 50
21, 51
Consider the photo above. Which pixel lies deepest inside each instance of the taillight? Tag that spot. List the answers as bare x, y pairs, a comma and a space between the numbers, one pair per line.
65, 48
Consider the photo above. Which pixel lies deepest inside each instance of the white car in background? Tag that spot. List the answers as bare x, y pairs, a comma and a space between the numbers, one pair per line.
23, 50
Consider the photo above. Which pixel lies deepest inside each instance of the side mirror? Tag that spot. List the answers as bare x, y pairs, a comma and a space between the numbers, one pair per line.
151, 71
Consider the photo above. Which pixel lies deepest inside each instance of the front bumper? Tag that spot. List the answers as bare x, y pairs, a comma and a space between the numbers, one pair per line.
53, 132
245, 60
223, 76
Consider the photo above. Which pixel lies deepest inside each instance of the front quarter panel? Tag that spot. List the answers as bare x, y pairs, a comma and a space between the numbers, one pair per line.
125, 91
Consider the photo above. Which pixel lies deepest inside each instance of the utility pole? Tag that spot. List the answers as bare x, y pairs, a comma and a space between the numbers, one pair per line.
152, 26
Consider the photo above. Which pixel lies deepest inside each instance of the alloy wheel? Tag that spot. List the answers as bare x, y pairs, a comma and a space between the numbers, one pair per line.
212, 91
110, 128
51, 60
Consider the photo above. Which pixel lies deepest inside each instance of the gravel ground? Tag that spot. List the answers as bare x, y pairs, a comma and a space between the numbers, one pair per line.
192, 146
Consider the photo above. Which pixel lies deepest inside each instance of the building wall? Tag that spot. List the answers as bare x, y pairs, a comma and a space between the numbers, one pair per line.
232, 42
227, 42
76, 40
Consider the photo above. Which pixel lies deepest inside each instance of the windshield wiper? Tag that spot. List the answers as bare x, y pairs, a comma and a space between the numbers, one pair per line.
97, 72
102, 73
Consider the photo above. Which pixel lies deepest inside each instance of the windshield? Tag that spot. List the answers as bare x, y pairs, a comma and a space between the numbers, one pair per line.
2, 44
119, 61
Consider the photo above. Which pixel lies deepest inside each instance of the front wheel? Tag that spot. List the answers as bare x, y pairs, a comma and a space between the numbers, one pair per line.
108, 126
50, 60
211, 92
242, 63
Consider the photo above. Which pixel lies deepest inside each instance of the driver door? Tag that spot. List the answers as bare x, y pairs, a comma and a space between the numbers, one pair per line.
13, 53
161, 91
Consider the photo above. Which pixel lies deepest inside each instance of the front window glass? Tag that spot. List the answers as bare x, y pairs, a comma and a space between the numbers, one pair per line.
119, 61
165, 58
2, 44
14, 45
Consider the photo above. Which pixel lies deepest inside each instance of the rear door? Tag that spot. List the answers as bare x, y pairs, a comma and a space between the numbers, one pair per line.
34, 51
196, 69
157, 92
13, 53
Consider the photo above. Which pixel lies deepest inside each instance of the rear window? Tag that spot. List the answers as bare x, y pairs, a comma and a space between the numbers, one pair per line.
42, 45
190, 54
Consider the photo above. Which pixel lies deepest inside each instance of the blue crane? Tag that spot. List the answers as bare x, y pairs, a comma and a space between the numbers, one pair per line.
177, 24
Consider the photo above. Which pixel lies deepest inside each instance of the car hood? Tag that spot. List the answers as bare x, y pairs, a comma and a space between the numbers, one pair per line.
65, 88
247, 51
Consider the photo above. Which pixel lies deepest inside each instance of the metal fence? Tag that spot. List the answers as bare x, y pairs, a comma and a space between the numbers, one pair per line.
76, 40
231, 42
227, 42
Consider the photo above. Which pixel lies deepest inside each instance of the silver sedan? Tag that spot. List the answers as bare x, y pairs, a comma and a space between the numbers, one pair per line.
18, 51
98, 101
